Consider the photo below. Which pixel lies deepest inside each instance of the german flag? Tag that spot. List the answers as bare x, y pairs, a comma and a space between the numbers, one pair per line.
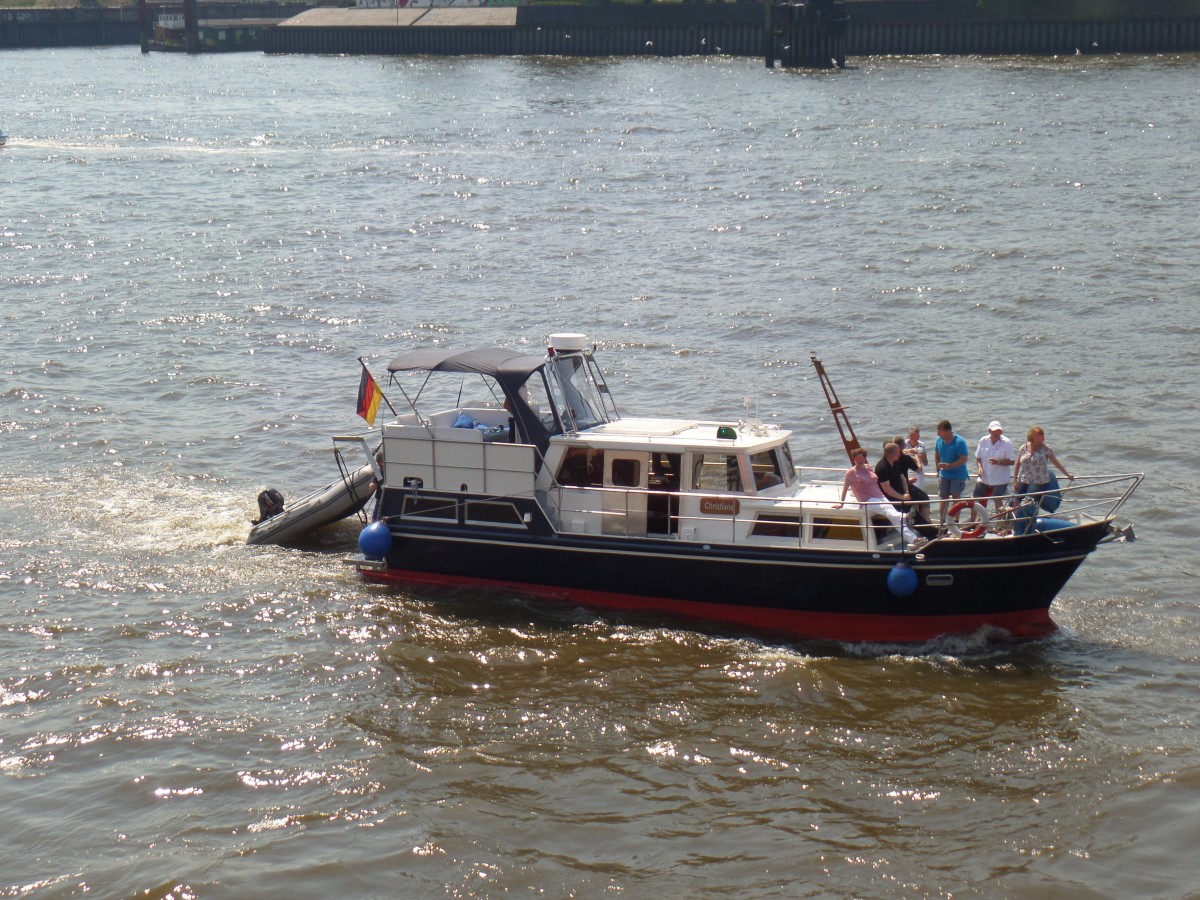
368, 397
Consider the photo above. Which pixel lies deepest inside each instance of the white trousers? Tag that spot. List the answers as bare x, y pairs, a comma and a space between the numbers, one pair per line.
883, 506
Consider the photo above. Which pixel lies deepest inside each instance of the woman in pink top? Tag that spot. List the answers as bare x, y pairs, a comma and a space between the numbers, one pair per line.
860, 478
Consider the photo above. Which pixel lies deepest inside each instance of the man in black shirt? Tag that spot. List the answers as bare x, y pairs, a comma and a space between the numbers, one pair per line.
892, 473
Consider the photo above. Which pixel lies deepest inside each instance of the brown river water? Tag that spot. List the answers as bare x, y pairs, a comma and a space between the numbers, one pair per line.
194, 252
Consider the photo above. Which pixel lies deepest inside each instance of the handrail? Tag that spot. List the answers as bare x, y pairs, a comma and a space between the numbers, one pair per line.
1080, 483
858, 513
372, 458
1078, 504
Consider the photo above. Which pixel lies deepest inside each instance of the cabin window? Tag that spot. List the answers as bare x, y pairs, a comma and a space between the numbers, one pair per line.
824, 529
776, 526
582, 467
766, 470
492, 513
430, 508
716, 472
626, 473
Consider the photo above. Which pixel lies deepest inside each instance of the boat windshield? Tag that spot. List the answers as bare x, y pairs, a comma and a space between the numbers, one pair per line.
577, 395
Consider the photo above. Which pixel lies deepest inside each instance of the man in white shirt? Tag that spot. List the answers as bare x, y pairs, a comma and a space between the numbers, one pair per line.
994, 459
915, 447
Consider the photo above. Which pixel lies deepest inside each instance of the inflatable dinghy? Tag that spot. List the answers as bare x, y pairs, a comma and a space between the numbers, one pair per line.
282, 522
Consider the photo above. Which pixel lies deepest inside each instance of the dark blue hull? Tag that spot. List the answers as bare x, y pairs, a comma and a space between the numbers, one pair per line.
961, 586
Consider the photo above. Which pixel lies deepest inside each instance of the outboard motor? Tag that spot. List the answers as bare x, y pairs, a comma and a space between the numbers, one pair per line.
270, 503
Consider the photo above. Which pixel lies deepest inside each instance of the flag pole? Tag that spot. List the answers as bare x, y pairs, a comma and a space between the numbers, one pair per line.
382, 395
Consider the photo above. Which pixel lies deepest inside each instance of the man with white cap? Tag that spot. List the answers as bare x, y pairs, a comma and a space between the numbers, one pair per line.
994, 459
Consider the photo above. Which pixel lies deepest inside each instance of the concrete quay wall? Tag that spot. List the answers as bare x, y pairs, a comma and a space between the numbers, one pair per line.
876, 27
1014, 27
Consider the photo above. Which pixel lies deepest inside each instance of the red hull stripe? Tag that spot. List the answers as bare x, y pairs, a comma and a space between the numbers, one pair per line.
850, 627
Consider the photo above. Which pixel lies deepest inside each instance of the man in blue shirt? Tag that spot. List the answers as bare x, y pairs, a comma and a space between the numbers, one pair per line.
950, 453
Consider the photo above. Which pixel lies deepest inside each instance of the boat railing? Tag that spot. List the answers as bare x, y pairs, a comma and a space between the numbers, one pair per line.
347, 470
796, 520
638, 512
360, 441
1087, 496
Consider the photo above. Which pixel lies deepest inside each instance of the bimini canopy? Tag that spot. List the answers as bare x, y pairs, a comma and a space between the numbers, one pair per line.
509, 368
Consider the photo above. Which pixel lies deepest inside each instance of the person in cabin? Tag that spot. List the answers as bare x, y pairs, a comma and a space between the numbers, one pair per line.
860, 478
950, 453
764, 479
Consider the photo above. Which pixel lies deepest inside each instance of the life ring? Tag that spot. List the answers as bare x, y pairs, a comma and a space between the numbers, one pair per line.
977, 522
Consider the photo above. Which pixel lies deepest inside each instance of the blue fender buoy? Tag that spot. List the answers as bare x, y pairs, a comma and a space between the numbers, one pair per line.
375, 540
902, 580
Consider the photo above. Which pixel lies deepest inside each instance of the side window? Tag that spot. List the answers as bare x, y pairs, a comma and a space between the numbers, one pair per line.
824, 529
716, 472
626, 473
776, 526
430, 508
664, 472
535, 394
490, 513
582, 467
788, 468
